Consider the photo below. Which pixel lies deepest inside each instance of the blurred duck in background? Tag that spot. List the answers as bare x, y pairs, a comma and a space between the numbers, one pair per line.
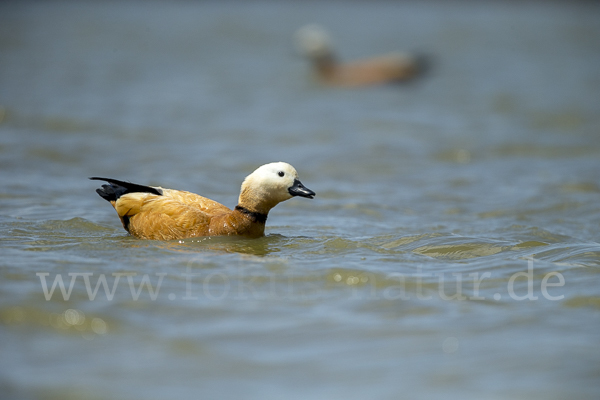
315, 43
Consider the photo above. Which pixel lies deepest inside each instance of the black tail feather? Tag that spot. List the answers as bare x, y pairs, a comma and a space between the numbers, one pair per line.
118, 188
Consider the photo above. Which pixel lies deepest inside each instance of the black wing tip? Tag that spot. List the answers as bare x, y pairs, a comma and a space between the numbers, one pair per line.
107, 193
117, 188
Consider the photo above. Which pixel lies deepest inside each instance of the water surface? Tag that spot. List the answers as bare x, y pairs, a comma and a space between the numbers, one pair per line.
451, 251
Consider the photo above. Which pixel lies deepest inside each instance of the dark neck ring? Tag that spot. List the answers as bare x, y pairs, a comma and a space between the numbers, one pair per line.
254, 216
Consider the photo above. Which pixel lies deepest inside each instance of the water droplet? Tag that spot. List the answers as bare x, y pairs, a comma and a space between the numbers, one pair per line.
99, 326
73, 317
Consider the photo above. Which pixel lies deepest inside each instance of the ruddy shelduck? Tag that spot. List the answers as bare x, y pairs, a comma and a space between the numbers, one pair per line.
315, 43
148, 212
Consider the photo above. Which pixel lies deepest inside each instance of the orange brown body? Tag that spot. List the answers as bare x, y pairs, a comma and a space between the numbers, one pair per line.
393, 67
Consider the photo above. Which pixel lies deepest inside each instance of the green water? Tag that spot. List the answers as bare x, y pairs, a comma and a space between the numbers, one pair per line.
451, 251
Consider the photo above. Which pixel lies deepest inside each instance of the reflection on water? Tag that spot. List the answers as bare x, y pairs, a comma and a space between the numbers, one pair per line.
452, 251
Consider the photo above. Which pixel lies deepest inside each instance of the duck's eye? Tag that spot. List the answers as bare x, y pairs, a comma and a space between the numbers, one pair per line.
281, 173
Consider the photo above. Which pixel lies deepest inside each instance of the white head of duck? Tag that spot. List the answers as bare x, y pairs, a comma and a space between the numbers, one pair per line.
271, 184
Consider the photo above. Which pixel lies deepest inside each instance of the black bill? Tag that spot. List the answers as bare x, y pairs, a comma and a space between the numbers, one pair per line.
298, 189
